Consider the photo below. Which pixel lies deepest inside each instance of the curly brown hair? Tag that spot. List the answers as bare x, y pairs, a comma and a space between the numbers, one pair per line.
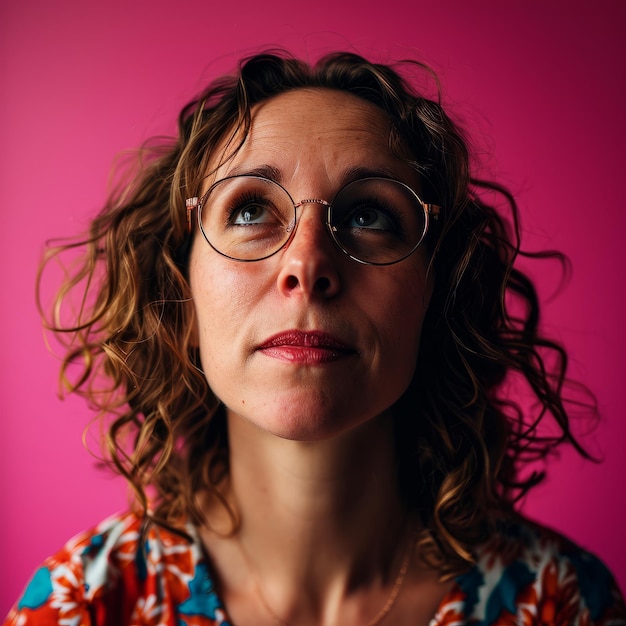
462, 439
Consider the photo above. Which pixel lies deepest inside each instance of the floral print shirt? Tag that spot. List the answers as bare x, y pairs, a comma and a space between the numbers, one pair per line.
523, 576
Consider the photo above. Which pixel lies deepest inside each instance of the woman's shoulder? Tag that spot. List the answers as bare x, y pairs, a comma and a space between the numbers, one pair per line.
123, 571
528, 574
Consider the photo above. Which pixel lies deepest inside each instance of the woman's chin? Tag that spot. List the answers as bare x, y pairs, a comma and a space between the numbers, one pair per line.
297, 423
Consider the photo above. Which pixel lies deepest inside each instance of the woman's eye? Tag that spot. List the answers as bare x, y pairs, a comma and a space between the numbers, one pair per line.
374, 219
250, 214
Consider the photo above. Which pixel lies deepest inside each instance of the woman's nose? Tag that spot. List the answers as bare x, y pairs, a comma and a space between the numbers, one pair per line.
309, 262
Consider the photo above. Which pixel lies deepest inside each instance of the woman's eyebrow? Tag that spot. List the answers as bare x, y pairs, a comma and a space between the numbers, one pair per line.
265, 171
355, 173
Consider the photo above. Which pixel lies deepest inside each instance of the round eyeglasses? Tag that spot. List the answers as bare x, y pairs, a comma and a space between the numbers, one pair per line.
375, 221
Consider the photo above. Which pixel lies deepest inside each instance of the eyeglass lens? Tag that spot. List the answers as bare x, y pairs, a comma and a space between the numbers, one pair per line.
374, 220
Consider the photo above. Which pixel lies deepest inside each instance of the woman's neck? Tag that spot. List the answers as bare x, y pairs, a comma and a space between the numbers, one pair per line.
318, 520
342, 490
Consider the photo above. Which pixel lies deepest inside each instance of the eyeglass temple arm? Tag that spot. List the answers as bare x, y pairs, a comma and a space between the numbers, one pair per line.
432, 210
191, 203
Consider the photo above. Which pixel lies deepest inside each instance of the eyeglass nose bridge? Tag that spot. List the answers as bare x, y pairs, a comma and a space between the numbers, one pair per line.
311, 201
324, 203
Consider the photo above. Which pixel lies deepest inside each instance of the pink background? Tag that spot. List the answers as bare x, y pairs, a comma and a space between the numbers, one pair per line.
540, 86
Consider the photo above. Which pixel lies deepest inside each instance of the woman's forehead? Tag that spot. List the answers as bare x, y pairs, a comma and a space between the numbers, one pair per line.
312, 128
332, 109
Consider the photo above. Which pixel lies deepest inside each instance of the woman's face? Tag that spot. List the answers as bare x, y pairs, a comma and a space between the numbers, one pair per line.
308, 343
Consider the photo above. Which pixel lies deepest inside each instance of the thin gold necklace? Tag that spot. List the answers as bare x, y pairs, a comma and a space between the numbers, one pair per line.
377, 619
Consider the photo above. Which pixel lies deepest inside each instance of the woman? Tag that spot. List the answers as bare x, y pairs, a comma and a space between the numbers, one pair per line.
311, 325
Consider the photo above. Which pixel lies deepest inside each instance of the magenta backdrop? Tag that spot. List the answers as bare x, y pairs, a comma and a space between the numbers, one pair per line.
540, 85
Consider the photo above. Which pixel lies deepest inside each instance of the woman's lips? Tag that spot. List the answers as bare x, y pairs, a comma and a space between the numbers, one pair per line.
310, 347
